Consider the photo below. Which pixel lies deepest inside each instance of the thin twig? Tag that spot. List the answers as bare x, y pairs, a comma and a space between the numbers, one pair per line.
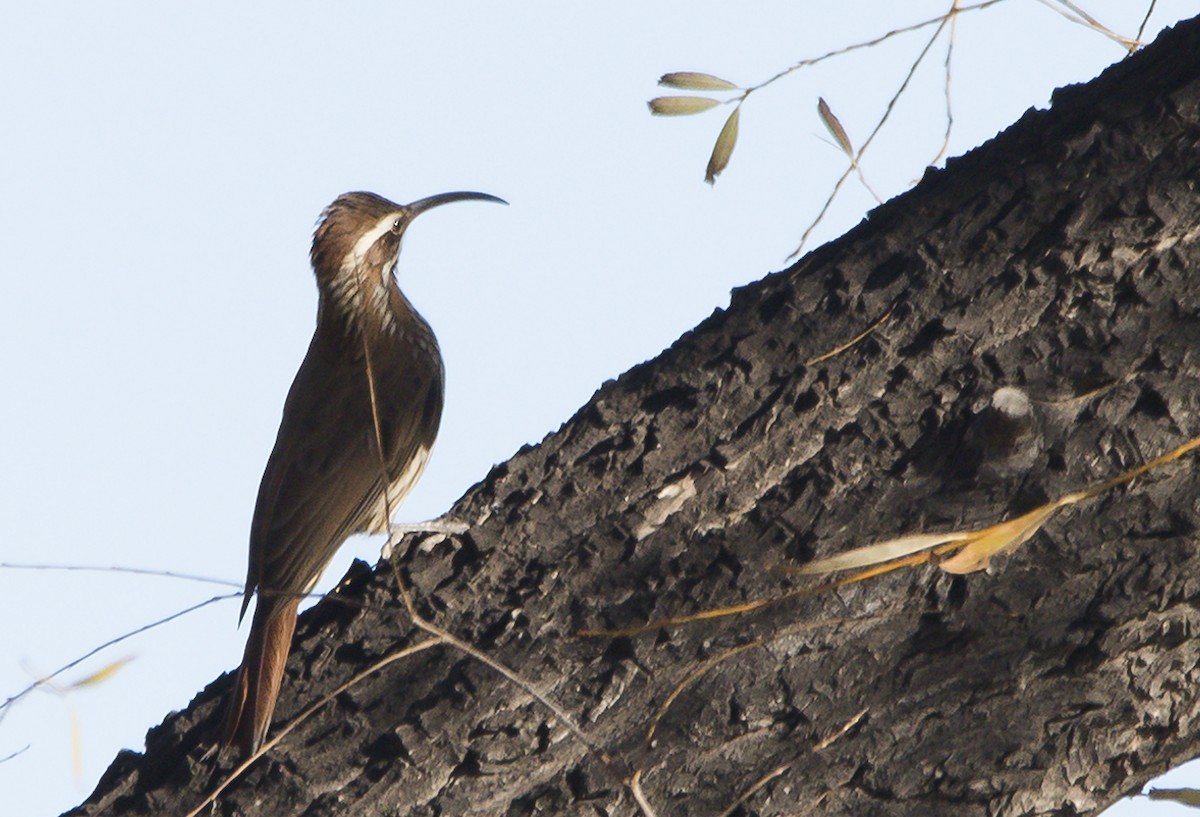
484, 658
17, 753
821, 215
868, 43
139, 571
1145, 20
1077, 15
111, 642
903, 87
949, 106
870, 138
308, 713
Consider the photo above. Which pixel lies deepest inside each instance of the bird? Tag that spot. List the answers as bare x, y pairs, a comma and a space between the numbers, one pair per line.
358, 425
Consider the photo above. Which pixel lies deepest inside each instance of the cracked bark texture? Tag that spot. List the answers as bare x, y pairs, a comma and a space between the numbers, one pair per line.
1058, 258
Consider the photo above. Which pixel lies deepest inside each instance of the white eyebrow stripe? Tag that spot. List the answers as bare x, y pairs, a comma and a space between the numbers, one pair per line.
371, 236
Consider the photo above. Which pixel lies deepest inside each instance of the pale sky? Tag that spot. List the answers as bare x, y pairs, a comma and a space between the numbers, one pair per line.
164, 165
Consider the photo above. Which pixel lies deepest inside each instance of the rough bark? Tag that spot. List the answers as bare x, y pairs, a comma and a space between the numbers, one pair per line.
1058, 258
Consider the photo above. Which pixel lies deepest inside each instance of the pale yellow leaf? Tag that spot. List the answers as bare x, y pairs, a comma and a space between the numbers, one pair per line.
1189, 797
723, 149
880, 552
680, 105
834, 126
984, 544
102, 674
695, 81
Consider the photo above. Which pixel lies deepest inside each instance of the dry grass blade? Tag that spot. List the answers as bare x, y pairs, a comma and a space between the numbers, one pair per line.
690, 679
1134, 473
779, 770
975, 547
102, 674
855, 719
878, 553
979, 549
696, 81
834, 126
723, 148
812, 361
1087, 395
681, 105
921, 548
635, 787
673, 621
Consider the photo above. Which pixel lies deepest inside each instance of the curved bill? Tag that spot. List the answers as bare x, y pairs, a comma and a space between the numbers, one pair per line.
429, 202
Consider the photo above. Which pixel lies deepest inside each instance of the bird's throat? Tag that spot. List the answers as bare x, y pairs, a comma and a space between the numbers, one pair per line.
365, 298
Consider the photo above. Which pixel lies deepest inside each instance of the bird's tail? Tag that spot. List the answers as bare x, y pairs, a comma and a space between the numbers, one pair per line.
256, 687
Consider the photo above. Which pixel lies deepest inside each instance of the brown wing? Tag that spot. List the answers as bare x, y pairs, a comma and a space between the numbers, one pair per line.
323, 480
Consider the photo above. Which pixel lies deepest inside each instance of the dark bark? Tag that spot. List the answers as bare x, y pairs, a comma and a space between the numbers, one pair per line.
1057, 258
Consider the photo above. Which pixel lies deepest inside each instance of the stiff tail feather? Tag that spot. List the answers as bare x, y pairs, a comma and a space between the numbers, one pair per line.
252, 700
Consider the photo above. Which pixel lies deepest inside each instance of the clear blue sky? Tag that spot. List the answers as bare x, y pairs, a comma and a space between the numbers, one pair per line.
164, 166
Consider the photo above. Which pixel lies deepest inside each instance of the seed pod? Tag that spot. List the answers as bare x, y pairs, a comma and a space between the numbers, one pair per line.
723, 149
680, 105
693, 81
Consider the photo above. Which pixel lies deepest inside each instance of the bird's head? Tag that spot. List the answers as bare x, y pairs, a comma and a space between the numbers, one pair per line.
360, 233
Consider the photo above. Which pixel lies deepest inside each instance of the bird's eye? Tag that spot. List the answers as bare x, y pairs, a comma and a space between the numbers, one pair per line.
396, 226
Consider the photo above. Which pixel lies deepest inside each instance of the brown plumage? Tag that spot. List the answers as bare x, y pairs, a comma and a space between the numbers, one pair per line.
328, 477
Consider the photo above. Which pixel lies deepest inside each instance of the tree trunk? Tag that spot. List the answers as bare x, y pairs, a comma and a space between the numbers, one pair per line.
1057, 259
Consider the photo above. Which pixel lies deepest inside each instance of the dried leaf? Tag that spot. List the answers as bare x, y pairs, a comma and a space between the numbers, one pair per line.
880, 552
723, 149
834, 126
679, 105
1189, 797
694, 81
102, 674
1006, 536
